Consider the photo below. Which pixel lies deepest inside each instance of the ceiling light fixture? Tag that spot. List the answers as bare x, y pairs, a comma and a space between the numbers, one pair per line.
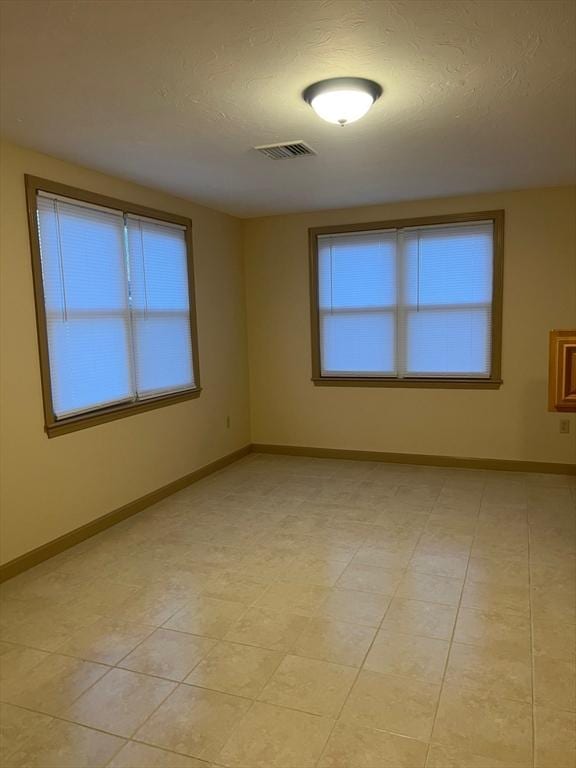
342, 100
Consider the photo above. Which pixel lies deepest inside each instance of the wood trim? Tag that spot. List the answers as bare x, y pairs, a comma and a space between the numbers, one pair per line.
46, 185
416, 383
420, 221
506, 465
46, 551
104, 415
562, 372
52, 426
495, 380
52, 548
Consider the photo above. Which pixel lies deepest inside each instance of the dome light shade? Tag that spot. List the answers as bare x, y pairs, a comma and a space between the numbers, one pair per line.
342, 100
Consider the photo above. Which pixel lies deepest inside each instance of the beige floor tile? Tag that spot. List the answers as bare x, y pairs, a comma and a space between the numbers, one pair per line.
15, 611
120, 702
237, 669
274, 737
194, 721
310, 685
106, 641
382, 557
352, 746
99, 595
46, 628
495, 629
367, 578
16, 661
555, 738
229, 587
321, 573
341, 552
554, 605
335, 641
16, 727
445, 543
437, 565
206, 616
365, 608
266, 628
152, 606
298, 598
555, 682
331, 552
491, 671
408, 655
442, 756
169, 654
501, 545
496, 729
358, 513
135, 755
416, 617
509, 572
65, 745
419, 496
53, 684
556, 573
54, 586
490, 598
386, 702
555, 640
425, 586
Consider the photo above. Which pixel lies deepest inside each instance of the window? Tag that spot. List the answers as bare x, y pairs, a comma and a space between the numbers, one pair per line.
114, 286
409, 302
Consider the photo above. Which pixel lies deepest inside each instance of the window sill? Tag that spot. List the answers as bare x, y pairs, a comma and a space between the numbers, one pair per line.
349, 381
103, 415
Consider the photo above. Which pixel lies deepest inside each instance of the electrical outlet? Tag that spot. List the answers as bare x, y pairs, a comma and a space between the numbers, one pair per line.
564, 427
227, 422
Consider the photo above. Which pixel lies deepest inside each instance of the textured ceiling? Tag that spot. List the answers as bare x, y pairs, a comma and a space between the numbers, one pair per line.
478, 95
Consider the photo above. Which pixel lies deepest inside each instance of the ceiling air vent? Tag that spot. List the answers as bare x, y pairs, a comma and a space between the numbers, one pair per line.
287, 149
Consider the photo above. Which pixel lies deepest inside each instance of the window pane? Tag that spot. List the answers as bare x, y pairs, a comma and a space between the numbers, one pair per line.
358, 343
158, 267
86, 300
433, 285
357, 271
88, 363
163, 353
448, 265
82, 257
451, 342
160, 307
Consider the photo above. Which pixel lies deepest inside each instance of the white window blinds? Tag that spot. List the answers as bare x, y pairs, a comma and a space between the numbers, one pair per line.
117, 306
160, 307
357, 303
407, 303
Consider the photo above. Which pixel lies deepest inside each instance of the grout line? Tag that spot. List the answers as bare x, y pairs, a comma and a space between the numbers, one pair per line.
266, 587
451, 641
361, 666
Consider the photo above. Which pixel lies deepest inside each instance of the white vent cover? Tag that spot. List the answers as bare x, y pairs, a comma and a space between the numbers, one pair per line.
285, 150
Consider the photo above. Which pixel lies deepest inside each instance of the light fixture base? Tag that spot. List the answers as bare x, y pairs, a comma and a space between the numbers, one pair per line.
371, 87
342, 100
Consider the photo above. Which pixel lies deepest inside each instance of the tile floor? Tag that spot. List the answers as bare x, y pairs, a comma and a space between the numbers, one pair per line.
305, 613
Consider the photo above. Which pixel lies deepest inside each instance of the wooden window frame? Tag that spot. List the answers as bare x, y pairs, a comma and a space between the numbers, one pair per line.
444, 382
53, 426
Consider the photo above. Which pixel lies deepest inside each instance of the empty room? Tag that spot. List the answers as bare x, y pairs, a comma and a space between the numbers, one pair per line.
288, 383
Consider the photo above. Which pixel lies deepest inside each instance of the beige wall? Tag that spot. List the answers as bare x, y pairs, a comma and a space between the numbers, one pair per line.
50, 487
510, 423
